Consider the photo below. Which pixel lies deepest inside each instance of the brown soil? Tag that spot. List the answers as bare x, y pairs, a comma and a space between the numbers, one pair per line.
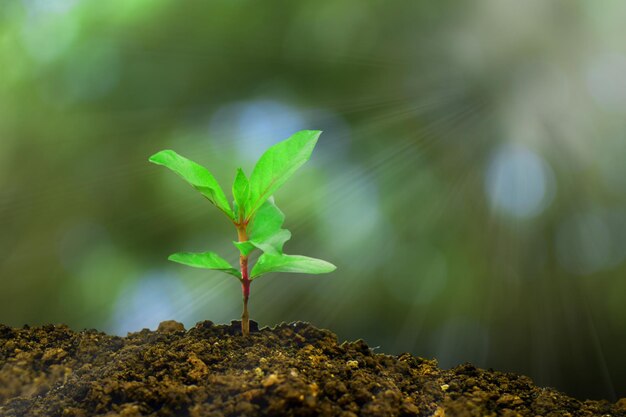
290, 370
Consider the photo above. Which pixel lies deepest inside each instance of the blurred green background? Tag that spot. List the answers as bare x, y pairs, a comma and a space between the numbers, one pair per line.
470, 183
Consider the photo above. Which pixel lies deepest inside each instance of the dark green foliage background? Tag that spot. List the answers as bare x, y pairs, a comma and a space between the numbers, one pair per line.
415, 99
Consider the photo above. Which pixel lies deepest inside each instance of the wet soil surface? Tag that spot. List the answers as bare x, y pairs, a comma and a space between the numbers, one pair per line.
291, 370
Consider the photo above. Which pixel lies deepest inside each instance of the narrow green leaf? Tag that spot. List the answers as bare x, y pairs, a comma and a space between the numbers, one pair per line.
196, 175
206, 260
290, 263
277, 164
240, 192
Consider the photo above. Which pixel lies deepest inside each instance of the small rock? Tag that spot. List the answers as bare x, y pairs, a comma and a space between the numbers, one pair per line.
204, 325
509, 399
507, 412
410, 408
170, 326
352, 364
126, 410
54, 354
199, 369
270, 380
439, 412
130, 410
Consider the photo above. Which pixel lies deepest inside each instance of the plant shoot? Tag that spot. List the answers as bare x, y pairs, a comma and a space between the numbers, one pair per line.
254, 214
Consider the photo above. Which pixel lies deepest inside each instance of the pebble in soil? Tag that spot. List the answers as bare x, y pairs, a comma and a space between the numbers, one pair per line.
290, 370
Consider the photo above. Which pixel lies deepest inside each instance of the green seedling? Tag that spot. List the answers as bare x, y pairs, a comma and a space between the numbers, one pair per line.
254, 213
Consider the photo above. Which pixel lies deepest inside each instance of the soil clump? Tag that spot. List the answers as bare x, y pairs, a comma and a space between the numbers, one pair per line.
290, 370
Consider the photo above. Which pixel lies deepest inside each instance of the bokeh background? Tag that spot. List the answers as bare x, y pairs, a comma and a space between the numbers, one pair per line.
470, 183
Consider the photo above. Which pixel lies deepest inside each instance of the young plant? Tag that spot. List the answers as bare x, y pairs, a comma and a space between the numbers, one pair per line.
254, 214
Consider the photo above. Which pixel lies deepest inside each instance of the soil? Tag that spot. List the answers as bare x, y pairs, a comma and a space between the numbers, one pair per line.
290, 370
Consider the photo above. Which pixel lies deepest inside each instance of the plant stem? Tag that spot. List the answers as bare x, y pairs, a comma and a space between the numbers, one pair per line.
245, 282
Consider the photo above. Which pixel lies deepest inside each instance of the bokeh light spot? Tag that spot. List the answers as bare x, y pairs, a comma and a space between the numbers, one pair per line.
256, 124
46, 36
517, 182
367, 239
155, 297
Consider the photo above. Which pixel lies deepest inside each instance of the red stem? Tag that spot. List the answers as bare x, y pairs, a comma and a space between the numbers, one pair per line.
245, 282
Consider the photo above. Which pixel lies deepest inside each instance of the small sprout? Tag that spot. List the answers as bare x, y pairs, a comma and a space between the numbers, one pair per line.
254, 214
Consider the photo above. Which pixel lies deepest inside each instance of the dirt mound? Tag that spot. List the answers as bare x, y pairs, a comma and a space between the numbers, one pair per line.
291, 370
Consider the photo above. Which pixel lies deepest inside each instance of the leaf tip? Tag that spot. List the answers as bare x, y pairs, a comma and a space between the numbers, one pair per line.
158, 158
173, 257
313, 134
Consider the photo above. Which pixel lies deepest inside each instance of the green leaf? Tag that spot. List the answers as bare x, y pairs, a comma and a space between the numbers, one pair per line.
277, 164
206, 260
273, 244
290, 263
196, 175
245, 248
265, 231
240, 192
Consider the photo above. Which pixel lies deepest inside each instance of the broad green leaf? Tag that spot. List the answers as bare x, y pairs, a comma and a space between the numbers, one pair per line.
240, 192
276, 165
245, 248
206, 260
267, 220
290, 263
273, 244
265, 231
196, 175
